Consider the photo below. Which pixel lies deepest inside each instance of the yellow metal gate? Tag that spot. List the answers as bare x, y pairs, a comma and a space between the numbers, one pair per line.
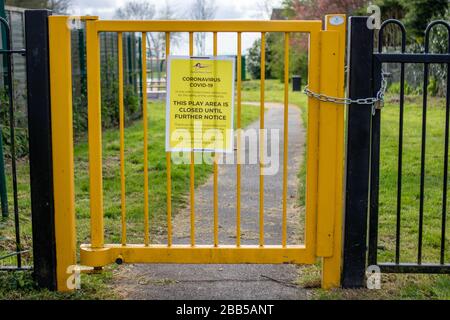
324, 164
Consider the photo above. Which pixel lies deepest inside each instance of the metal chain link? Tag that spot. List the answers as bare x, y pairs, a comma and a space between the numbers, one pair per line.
346, 101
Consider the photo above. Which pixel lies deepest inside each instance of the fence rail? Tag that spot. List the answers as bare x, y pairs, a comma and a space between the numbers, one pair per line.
426, 58
9, 51
362, 239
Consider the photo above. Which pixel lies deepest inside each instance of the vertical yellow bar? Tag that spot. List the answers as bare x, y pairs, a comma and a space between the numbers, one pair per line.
192, 167
331, 277
312, 145
261, 140
62, 144
169, 166
216, 177
327, 144
239, 137
122, 139
191, 44
95, 133
286, 137
145, 121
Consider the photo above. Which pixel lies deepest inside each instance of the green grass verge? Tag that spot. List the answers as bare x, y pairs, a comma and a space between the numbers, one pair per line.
394, 286
434, 166
20, 286
405, 286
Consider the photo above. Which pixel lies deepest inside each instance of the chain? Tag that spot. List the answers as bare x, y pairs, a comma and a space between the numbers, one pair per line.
376, 101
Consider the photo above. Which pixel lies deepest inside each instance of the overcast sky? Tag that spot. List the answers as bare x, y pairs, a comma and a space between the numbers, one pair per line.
226, 10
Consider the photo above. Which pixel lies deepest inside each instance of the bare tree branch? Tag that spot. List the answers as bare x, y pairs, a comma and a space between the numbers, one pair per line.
57, 6
136, 10
202, 10
266, 7
143, 10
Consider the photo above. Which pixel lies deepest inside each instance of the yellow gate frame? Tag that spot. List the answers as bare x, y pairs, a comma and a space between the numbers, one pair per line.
324, 197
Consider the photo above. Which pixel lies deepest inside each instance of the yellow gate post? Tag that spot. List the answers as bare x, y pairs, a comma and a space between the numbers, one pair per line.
62, 144
331, 151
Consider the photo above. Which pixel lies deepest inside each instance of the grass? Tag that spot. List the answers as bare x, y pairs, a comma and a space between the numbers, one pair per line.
403, 286
398, 286
434, 166
274, 92
21, 286
395, 287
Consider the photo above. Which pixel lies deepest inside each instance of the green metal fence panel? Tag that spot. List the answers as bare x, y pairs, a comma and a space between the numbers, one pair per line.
3, 188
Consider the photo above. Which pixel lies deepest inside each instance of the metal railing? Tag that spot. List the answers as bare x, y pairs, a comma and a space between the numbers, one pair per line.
9, 84
426, 58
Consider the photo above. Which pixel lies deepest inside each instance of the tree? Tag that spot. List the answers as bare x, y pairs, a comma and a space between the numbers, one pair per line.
202, 10
57, 6
254, 60
392, 9
298, 10
158, 40
317, 9
140, 10
421, 12
167, 12
265, 8
136, 10
29, 4
143, 10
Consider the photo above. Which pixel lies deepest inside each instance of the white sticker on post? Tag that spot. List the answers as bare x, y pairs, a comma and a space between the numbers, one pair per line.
336, 20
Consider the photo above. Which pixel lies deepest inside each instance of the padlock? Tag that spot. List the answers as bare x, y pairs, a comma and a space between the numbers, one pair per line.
379, 104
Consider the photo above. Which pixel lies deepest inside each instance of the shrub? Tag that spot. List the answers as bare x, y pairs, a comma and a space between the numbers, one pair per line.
110, 102
394, 88
21, 132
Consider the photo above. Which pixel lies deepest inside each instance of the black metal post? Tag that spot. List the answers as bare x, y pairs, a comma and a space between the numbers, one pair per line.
40, 141
374, 170
358, 153
82, 57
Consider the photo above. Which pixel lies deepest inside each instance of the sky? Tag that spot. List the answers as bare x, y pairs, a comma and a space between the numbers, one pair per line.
226, 10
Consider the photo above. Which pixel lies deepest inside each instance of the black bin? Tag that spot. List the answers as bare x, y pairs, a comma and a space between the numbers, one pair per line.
296, 83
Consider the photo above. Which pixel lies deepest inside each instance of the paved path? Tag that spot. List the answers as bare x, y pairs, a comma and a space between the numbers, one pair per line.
231, 282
